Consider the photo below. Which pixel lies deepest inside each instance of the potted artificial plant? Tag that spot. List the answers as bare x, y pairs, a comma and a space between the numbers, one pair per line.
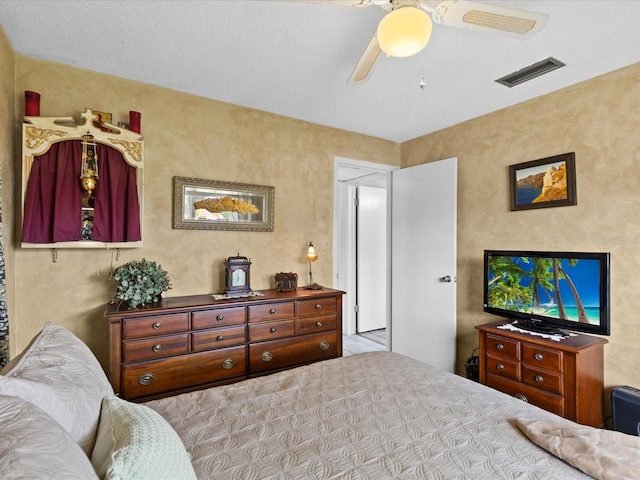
139, 283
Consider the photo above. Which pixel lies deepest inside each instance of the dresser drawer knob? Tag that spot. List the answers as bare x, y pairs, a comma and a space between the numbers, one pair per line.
146, 379
157, 347
156, 325
520, 396
273, 329
272, 311
500, 346
267, 356
324, 345
539, 378
318, 306
538, 356
220, 318
219, 338
318, 324
500, 366
228, 364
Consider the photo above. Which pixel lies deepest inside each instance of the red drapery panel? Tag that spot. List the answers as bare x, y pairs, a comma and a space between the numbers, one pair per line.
53, 199
117, 211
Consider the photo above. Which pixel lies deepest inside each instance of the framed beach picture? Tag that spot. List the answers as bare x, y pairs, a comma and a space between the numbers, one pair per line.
548, 182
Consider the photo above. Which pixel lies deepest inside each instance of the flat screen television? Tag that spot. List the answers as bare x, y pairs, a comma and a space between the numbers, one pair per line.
549, 292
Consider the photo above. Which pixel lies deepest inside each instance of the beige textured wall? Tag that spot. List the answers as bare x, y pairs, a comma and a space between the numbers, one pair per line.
185, 136
599, 120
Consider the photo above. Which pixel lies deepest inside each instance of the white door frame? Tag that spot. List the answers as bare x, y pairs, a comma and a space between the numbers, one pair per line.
345, 179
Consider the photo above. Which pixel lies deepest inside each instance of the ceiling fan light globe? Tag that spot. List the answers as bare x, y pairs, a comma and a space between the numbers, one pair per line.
404, 32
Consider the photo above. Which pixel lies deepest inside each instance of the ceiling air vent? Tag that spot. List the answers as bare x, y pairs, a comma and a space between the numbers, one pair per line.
532, 71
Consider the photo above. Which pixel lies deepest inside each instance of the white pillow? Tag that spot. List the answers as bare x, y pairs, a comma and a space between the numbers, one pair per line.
135, 442
33, 446
59, 374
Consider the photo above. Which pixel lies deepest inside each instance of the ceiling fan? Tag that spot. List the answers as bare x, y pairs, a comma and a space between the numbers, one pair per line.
406, 29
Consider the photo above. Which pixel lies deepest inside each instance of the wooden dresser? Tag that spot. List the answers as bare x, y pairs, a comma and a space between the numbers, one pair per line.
564, 377
187, 343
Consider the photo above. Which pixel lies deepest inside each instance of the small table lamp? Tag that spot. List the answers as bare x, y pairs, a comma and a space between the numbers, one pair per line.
311, 256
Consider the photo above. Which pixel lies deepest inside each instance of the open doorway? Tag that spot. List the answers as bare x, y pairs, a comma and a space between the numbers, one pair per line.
361, 252
423, 250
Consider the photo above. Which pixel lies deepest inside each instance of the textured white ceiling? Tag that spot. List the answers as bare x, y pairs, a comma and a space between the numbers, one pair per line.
294, 59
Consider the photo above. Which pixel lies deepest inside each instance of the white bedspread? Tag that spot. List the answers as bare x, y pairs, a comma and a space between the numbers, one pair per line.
370, 416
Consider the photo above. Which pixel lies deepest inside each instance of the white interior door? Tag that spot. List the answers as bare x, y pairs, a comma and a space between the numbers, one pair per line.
423, 236
371, 258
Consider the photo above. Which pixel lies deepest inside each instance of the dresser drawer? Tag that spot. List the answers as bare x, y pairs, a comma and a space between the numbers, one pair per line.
548, 401
315, 324
291, 351
542, 357
157, 347
503, 367
158, 376
155, 325
504, 347
218, 338
220, 317
259, 332
544, 379
271, 311
319, 306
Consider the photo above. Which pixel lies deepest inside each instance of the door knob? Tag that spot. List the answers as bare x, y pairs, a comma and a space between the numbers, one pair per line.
446, 279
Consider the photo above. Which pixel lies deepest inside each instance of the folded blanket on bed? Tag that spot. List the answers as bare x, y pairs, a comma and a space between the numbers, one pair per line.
603, 454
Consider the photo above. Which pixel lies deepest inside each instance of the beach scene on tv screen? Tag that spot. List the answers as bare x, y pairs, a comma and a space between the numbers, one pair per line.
559, 288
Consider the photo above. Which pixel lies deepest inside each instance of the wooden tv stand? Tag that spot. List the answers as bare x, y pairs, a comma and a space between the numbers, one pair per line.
563, 377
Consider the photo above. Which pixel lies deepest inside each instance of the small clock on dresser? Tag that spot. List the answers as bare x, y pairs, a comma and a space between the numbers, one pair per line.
237, 275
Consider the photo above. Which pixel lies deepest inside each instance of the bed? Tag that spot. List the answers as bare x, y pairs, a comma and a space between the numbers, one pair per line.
369, 416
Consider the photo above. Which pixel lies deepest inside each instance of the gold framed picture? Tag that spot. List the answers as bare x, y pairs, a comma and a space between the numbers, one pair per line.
201, 204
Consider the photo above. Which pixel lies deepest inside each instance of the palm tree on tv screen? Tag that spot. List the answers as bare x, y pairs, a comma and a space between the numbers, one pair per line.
561, 273
506, 290
541, 275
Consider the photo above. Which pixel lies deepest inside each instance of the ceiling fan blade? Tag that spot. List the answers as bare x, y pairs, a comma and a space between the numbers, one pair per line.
367, 61
511, 22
